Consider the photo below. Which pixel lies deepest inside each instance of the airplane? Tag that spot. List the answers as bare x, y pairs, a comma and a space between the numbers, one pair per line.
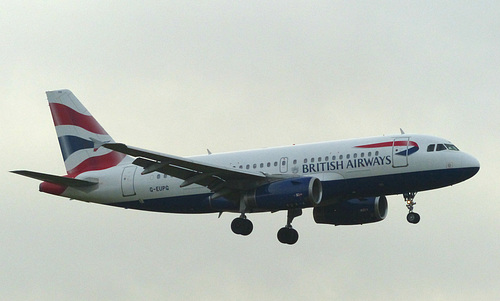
345, 182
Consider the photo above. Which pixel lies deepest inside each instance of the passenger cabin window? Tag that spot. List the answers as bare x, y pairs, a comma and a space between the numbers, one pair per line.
430, 148
440, 147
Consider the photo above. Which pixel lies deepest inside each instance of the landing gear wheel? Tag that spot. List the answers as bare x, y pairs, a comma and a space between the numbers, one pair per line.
413, 217
288, 235
241, 226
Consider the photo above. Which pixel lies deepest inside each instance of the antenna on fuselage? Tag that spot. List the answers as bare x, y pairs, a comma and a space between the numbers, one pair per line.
401, 130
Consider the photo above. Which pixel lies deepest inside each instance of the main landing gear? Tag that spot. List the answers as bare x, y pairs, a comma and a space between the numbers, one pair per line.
412, 217
287, 234
241, 225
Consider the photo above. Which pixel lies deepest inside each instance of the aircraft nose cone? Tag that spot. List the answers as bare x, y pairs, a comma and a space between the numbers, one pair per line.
472, 165
474, 162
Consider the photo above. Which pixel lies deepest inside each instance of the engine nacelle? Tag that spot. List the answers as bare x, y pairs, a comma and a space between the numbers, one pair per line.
290, 193
353, 212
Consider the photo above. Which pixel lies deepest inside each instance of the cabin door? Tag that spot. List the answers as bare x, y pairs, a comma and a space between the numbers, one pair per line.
128, 174
400, 152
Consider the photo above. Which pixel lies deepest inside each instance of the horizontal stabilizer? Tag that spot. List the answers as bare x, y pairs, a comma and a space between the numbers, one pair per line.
70, 182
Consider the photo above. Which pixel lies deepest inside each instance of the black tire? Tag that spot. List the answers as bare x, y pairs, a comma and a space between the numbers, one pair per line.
288, 236
241, 226
294, 236
282, 235
247, 227
236, 225
413, 217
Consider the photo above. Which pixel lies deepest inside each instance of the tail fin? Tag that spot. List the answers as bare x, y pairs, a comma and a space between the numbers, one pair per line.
80, 135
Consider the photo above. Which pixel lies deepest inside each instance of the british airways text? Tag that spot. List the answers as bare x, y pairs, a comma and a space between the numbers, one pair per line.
346, 164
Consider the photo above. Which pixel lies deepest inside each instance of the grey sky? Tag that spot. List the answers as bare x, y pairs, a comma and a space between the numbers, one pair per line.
184, 76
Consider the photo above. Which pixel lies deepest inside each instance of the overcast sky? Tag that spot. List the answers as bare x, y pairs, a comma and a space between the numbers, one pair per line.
185, 76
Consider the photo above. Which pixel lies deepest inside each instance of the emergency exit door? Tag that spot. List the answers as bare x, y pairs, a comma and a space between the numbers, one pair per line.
284, 165
128, 175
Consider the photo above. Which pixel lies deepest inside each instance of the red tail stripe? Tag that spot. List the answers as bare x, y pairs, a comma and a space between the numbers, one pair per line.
64, 115
97, 163
391, 143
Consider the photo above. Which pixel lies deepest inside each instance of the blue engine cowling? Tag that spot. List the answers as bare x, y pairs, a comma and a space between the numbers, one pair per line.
285, 194
352, 212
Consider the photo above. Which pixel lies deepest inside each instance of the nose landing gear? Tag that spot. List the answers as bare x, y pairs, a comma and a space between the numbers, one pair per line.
412, 217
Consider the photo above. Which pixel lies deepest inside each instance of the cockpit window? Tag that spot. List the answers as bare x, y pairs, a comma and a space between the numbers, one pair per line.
440, 147
452, 147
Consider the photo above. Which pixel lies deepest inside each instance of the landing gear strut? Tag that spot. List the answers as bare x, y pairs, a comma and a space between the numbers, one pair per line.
287, 234
412, 217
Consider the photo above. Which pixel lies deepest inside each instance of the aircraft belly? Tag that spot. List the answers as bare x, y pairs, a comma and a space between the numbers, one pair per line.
394, 183
197, 203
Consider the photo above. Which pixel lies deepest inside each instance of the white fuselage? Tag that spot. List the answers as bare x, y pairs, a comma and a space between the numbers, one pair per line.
349, 168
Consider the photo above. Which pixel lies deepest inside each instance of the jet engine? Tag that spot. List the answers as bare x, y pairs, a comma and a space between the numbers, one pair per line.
285, 194
352, 212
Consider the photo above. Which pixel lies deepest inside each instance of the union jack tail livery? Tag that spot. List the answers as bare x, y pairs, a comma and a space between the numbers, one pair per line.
80, 135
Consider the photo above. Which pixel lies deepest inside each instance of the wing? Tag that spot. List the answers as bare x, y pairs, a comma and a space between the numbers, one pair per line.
221, 180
